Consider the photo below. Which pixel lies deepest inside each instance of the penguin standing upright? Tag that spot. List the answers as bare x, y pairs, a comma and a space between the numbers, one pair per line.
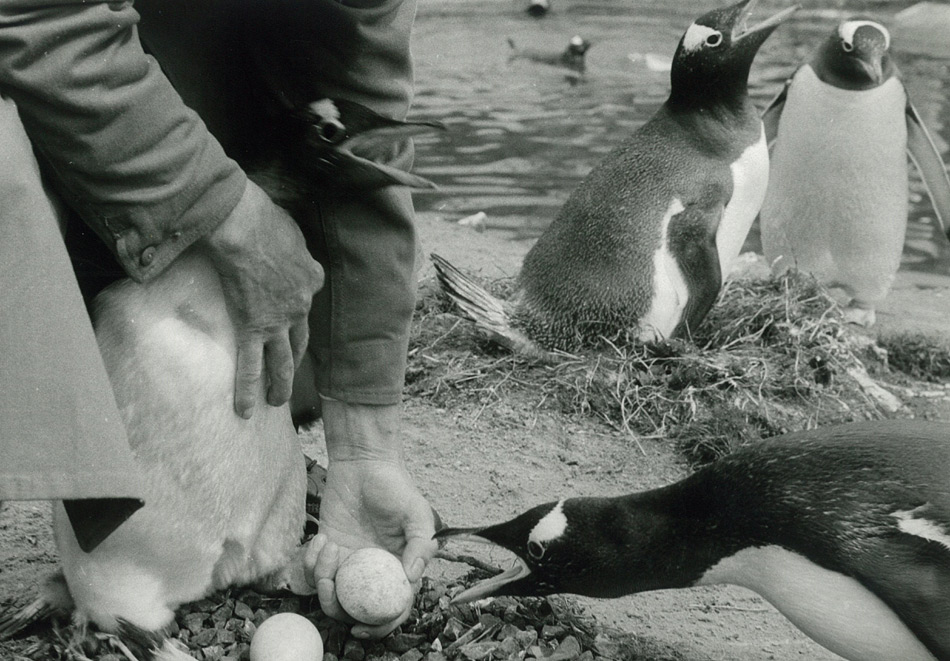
845, 530
837, 201
643, 244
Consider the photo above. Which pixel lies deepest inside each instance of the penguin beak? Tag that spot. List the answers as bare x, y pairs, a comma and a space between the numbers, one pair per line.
345, 133
760, 31
489, 587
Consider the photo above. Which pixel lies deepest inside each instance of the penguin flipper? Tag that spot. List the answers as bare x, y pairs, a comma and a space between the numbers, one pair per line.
692, 238
773, 115
924, 153
488, 313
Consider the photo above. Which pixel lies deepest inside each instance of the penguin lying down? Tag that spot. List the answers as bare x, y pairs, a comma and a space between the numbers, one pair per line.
224, 496
643, 244
845, 530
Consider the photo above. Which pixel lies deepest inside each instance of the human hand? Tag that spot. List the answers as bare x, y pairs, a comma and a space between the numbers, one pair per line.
369, 502
269, 280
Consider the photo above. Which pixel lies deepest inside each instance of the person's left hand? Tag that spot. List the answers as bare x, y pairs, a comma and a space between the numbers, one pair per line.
369, 502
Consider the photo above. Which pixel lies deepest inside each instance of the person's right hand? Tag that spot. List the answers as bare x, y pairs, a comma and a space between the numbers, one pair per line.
269, 280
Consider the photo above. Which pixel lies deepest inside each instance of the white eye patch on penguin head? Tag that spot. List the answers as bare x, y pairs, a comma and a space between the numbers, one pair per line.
700, 36
550, 527
863, 34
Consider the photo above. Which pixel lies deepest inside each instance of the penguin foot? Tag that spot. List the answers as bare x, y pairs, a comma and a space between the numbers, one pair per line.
859, 316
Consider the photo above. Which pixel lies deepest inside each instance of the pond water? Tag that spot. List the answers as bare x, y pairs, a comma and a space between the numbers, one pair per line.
523, 134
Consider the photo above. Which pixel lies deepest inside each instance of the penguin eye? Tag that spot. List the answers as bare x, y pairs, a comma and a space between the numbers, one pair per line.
535, 550
714, 39
847, 47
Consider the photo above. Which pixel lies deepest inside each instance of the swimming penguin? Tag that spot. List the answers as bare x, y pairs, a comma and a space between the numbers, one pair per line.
538, 8
573, 57
845, 530
837, 200
643, 244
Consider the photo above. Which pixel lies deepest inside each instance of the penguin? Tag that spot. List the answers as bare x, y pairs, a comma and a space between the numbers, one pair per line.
644, 242
837, 200
573, 57
538, 8
844, 529
225, 498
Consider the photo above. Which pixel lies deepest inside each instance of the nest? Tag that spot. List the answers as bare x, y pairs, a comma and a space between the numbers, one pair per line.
773, 355
220, 628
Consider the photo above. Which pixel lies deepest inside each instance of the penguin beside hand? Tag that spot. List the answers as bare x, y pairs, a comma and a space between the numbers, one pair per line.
837, 200
845, 530
643, 244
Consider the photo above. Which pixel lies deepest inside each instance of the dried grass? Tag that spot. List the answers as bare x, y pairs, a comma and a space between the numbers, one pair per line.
772, 356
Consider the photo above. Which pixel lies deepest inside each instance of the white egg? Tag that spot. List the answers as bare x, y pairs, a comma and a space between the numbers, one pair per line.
286, 637
372, 587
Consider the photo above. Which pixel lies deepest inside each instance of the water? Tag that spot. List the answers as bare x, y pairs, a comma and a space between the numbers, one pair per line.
522, 134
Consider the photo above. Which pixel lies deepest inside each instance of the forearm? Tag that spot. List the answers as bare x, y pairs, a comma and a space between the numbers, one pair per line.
128, 155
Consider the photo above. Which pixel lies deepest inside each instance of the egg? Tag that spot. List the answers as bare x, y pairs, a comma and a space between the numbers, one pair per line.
372, 587
286, 637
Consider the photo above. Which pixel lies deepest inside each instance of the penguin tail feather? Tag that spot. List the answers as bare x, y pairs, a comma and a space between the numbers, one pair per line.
149, 645
54, 599
488, 313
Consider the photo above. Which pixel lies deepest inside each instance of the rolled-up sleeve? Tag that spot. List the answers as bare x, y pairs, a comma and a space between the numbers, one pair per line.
136, 163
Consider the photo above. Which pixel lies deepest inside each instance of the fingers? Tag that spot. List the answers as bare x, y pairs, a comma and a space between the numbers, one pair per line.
279, 363
379, 631
299, 338
248, 376
416, 556
328, 560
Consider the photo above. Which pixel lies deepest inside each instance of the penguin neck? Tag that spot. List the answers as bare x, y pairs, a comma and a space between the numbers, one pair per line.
674, 535
717, 123
722, 95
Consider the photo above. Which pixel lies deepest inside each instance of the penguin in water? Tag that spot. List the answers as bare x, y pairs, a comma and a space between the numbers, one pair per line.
573, 57
645, 241
845, 530
837, 200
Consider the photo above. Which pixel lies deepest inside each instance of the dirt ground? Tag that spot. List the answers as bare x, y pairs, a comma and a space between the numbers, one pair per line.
479, 463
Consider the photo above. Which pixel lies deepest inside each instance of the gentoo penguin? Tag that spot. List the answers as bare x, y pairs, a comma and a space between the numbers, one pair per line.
643, 244
538, 8
837, 198
573, 57
845, 530
225, 497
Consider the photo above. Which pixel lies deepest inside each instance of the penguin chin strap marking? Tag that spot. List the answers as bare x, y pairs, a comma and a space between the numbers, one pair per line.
697, 35
847, 29
912, 522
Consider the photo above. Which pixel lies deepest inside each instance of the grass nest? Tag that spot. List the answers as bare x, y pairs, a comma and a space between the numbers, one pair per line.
773, 355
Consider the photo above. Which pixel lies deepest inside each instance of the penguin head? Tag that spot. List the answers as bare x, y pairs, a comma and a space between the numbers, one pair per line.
854, 56
587, 546
578, 45
712, 62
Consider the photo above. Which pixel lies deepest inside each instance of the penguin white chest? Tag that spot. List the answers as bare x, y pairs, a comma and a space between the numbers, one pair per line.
837, 201
750, 180
834, 610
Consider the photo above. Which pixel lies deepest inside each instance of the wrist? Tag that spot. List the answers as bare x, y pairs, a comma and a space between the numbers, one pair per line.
233, 230
356, 432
